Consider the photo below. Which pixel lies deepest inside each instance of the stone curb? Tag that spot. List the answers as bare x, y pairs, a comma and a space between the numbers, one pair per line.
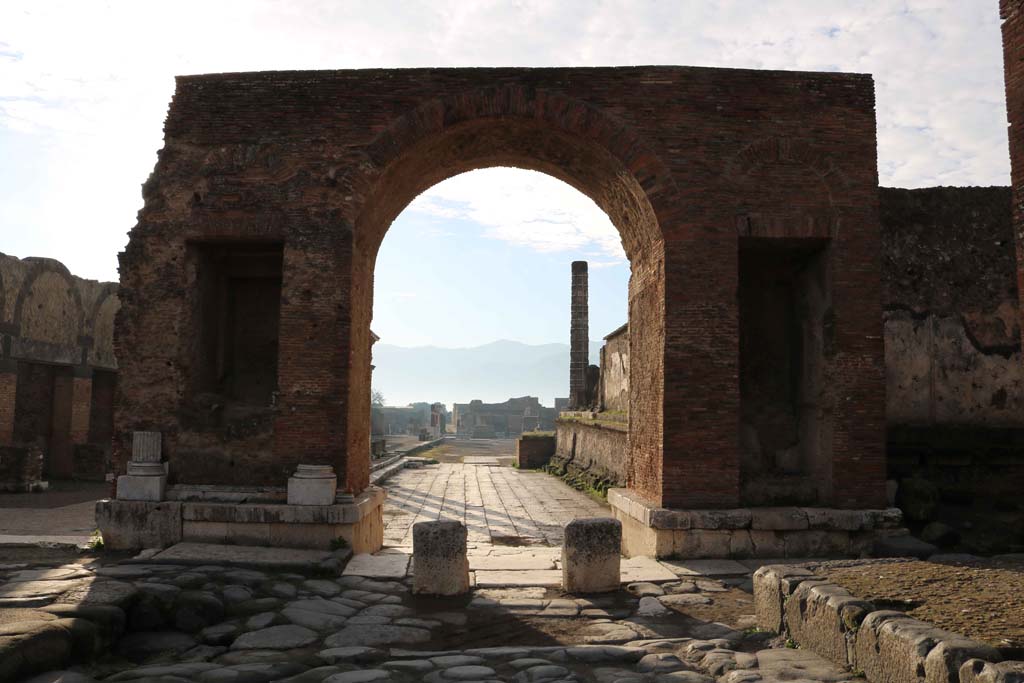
388, 468
886, 646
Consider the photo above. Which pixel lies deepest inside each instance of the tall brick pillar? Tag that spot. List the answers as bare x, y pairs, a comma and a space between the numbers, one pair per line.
579, 337
1012, 14
8, 390
81, 405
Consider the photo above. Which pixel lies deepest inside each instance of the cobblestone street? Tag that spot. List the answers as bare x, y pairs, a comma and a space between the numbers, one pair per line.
475, 484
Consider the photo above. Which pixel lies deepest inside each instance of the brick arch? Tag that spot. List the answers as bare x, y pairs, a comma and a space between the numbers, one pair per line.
101, 327
779, 161
565, 138
482, 127
48, 323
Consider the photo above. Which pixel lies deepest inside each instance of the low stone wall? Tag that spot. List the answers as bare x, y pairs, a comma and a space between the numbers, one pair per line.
591, 453
129, 524
534, 452
884, 645
749, 532
21, 468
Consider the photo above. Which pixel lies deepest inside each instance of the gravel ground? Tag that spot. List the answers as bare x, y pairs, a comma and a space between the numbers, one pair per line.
979, 598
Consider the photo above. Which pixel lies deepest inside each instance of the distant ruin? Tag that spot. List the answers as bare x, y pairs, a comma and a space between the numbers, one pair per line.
58, 373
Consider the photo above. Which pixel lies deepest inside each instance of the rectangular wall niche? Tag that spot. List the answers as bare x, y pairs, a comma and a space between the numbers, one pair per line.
236, 311
783, 306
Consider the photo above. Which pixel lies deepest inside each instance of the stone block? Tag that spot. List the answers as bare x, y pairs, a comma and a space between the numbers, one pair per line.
773, 584
978, 671
129, 525
312, 485
778, 519
889, 518
146, 487
817, 543
891, 647
768, 543
591, 556
828, 519
720, 519
146, 447
942, 665
439, 557
702, 543
640, 540
826, 618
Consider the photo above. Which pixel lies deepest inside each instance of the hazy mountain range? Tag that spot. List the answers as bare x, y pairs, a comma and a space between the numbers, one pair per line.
492, 373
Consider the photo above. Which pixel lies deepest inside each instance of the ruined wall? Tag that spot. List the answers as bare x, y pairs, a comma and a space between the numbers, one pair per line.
591, 453
684, 161
615, 371
56, 332
952, 330
955, 377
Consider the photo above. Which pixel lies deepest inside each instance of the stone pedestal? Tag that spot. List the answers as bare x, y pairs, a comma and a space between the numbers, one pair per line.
144, 481
591, 556
312, 485
147, 476
440, 565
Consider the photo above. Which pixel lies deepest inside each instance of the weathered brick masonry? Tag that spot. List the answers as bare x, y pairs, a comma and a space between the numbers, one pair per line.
313, 166
1012, 13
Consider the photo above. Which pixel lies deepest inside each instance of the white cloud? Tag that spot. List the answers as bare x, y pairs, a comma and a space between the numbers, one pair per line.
87, 84
525, 208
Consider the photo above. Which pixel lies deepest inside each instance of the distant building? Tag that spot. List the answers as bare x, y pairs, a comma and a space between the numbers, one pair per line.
511, 418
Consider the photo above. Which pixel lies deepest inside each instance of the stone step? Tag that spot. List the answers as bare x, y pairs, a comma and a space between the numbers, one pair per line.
240, 556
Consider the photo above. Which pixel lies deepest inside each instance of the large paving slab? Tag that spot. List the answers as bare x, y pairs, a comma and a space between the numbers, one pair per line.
505, 579
644, 569
706, 567
240, 555
386, 565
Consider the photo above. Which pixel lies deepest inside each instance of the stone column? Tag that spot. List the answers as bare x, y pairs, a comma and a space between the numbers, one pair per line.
312, 485
591, 555
579, 338
440, 565
147, 475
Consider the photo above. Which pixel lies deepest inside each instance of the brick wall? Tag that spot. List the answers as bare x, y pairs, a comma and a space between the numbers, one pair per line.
1012, 13
684, 161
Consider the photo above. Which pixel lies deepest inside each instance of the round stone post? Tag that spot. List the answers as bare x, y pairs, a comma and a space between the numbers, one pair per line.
440, 565
591, 555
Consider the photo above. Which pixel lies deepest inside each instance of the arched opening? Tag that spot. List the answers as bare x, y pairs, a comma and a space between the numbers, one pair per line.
471, 338
524, 143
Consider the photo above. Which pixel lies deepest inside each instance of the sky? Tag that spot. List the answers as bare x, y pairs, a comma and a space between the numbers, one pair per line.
84, 88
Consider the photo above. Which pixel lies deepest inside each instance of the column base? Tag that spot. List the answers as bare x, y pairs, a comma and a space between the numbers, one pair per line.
359, 525
776, 532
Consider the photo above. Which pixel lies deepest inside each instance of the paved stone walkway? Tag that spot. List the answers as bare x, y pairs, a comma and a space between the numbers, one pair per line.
499, 505
219, 624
